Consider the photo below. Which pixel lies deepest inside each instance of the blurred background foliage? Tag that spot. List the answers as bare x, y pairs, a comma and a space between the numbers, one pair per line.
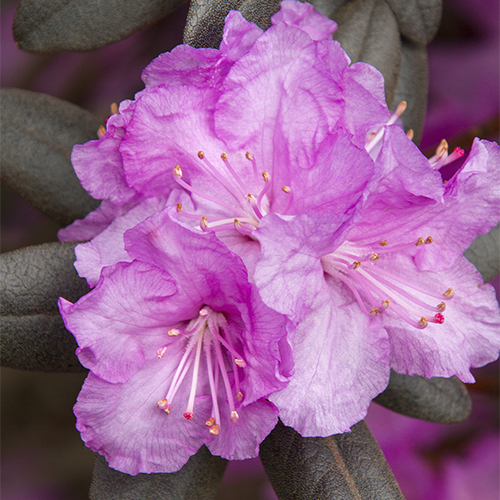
43, 457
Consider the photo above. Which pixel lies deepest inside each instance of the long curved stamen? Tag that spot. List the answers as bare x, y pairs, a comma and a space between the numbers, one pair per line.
375, 137
236, 193
189, 413
225, 379
265, 189
236, 177
177, 175
289, 192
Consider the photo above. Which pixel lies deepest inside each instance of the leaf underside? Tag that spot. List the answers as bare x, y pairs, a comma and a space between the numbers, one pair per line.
81, 25
347, 466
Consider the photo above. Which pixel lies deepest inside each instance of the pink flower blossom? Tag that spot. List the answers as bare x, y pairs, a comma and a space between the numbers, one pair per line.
286, 152
181, 352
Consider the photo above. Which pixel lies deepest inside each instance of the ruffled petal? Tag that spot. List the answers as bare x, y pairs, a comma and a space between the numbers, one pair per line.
203, 68
123, 423
469, 336
129, 308
279, 96
107, 248
241, 440
305, 17
98, 164
341, 364
170, 125
289, 273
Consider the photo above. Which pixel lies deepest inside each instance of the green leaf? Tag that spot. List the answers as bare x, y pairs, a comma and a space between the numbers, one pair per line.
205, 21
347, 466
484, 253
439, 400
33, 332
418, 19
37, 134
412, 87
33, 278
197, 480
80, 25
368, 32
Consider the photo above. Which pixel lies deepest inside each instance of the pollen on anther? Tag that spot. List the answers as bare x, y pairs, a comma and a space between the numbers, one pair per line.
163, 405
356, 264
423, 322
188, 415
410, 134
204, 223
449, 293
248, 156
240, 362
178, 171
224, 156
383, 243
441, 307
401, 108
161, 352
237, 224
420, 241
429, 240
114, 108
374, 256
234, 416
210, 422
179, 207
239, 396
286, 189
214, 430
101, 131
201, 155
265, 176
374, 311
439, 318
385, 304
203, 312
173, 332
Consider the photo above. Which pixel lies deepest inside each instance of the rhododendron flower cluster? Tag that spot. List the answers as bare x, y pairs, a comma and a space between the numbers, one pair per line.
281, 160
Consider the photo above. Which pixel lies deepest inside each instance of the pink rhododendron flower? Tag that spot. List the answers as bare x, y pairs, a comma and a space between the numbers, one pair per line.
290, 156
181, 352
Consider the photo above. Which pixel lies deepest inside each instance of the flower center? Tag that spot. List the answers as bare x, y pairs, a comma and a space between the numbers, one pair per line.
376, 288
209, 332
242, 210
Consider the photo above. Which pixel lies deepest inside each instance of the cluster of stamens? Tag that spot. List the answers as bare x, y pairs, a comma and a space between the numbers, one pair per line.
244, 210
208, 332
377, 290
373, 142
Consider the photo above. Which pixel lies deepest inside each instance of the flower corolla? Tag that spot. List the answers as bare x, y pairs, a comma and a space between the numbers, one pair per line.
181, 351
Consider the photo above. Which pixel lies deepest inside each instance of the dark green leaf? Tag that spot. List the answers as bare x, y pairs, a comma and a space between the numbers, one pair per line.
38, 133
418, 19
412, 87
439, 400
79, 25
38, 343
342, 467
197, 480
33, 332
33, 278
205, 21
368, 32
484, 253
